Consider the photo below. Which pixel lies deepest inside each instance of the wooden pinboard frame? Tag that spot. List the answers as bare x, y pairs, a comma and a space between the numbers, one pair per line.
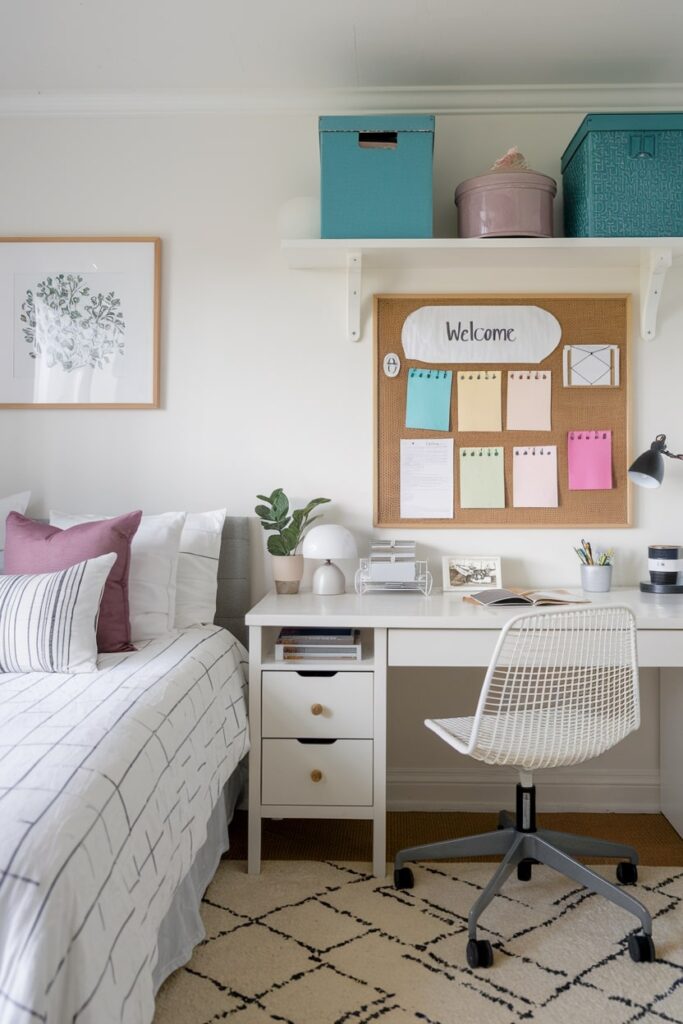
585, 320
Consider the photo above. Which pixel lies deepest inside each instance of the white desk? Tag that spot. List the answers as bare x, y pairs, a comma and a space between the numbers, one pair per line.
406, 630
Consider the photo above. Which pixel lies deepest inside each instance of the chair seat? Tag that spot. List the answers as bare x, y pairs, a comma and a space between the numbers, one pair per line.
520, 738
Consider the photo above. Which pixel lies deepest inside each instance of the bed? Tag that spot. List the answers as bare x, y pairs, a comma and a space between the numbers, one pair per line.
116, 788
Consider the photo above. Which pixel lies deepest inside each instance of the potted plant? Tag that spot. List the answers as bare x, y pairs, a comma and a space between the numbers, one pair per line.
288, 530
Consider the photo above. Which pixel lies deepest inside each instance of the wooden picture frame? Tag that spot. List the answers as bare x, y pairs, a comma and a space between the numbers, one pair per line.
79, 322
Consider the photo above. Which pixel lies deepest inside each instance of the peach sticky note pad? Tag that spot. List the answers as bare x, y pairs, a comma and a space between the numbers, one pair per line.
534, 476
528, 405
589, 456
479, 400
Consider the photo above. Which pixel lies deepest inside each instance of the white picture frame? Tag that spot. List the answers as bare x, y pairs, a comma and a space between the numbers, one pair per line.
79, 322
478, 572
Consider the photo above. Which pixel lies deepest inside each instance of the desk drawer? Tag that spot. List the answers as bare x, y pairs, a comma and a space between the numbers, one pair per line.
446, 647
660, 648
317, 707
322, 774
459, 648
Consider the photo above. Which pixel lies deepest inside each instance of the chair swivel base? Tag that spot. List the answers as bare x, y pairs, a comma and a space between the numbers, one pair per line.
520, 850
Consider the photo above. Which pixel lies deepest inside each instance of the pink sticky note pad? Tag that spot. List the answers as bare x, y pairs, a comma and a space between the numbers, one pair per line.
589, 455
534, 477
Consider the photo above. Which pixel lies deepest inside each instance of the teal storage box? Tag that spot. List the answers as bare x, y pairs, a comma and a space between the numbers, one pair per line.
376, 176
623, 176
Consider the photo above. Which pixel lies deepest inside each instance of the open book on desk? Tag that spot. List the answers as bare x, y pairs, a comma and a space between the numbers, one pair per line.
495, 597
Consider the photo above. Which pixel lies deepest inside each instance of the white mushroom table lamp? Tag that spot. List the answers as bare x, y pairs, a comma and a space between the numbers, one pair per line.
328, 542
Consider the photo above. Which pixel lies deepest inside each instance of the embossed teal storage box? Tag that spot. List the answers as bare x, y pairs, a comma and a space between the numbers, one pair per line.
623, 176
376, 176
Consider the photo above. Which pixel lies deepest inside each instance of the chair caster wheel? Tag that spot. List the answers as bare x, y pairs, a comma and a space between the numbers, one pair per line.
403, 878
627, 873
641, 948
524, 871
479, 953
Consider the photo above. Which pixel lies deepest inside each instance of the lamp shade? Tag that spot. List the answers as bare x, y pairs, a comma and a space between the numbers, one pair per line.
329, 541
648, 469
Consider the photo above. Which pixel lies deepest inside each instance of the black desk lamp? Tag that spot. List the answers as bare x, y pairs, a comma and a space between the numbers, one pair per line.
648, 469
663, 559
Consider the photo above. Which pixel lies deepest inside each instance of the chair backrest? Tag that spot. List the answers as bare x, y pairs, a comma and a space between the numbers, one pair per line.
562, 687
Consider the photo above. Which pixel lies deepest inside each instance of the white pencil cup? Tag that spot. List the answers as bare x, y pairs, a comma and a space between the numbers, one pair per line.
596, 579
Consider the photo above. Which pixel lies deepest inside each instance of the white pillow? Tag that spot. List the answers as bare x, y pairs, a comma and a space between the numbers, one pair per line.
153, 569
200, 548
15, 503
48, 622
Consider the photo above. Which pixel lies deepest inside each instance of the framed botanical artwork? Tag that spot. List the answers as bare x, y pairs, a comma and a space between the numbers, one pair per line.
469, 573
79, 323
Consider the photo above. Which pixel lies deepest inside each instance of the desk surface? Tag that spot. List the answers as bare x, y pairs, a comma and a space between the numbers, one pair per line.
441, 610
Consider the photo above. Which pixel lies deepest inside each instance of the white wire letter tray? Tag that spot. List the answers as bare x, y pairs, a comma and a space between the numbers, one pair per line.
420, 582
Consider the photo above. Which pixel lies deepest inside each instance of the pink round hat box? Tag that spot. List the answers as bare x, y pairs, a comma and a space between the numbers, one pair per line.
506, 204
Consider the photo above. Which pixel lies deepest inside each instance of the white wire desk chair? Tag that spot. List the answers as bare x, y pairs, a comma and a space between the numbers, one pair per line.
562, 687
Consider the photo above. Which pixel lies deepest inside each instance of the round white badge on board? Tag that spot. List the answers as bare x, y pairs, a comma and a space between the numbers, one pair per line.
392, 365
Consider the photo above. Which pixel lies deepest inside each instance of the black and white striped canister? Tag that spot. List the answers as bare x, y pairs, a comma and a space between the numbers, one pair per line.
664, 562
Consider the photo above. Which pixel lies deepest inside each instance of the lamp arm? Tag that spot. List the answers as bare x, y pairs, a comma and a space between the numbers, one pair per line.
660, 445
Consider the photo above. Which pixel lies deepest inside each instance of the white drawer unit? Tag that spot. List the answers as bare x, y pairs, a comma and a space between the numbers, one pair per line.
325, 774
335, 705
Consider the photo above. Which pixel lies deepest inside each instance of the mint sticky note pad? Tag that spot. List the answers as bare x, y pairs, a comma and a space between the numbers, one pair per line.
428, 403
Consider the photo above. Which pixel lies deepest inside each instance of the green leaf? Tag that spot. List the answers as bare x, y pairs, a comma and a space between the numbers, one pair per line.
290, 536
276, 546
281, 506
262, 497
313, 504
262, 511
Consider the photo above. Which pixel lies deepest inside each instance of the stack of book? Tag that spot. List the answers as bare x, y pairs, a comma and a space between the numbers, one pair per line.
318, 644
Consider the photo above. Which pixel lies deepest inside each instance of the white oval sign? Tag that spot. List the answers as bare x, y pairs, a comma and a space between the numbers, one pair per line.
392, 365
480, 334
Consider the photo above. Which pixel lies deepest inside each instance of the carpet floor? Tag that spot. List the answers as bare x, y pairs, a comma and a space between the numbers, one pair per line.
326, 943
313, 839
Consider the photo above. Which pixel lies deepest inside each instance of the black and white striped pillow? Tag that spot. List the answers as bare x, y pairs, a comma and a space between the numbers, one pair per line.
48, 622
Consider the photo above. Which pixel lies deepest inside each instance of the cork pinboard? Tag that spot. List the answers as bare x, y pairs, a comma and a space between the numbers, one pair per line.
584, 320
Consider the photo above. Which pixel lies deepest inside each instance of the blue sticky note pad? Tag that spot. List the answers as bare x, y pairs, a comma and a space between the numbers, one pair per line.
428, 405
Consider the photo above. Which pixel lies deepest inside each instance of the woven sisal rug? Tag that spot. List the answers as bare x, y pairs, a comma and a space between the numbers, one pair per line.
325, 943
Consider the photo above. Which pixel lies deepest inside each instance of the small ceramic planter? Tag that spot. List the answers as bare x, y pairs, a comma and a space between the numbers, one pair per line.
288, 571
596, 579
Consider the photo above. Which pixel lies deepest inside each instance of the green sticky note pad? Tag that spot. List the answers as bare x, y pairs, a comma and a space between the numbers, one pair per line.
428, 404
482, 478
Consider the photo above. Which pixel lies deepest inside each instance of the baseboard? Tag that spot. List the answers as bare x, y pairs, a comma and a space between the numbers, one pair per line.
490, 789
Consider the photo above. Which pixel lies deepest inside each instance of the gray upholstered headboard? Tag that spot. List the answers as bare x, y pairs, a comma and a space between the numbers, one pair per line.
233, 602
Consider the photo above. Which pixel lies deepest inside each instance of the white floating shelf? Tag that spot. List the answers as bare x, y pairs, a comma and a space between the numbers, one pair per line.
654, 256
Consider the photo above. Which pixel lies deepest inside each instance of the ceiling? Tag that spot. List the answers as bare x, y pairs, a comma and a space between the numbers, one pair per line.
94, 46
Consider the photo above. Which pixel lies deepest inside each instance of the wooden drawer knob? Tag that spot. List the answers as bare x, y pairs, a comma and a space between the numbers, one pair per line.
316, 775
316, 709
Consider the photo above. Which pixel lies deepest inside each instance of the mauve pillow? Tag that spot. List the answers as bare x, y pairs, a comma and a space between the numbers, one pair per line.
32, 547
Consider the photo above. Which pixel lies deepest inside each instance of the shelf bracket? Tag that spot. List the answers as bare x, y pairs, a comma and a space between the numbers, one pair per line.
654, 264
354, 266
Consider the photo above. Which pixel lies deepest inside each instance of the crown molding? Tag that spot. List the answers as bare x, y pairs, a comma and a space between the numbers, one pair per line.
481, 99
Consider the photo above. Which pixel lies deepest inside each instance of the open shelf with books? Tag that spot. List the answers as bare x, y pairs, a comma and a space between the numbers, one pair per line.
327, 661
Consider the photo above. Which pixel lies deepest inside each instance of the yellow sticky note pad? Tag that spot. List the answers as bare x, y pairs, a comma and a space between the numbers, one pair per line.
479, 400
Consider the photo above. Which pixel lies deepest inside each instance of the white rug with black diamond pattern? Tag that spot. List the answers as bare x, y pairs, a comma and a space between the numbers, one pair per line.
326, 943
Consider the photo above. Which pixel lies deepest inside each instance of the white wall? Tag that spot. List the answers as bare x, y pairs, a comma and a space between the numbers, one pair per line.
260, 388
